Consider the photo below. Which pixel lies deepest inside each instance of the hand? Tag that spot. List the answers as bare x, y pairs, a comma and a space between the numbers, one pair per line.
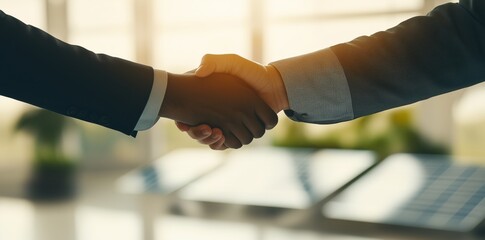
266, 80
204, 134
221, 101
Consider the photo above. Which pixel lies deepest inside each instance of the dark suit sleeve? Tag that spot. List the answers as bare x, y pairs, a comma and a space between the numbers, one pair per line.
420, 58
39, 69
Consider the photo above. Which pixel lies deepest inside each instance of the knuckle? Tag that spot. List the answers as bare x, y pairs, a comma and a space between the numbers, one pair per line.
207, 56
247, 141
199, 136
259, 133
205, 142
235, 145
246, 138
230, 143
232, 57
273, 121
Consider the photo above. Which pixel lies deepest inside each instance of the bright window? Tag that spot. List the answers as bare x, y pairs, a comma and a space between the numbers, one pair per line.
175, 34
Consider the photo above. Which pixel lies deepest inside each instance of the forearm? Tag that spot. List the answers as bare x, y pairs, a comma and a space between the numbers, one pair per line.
316, 86
420, 58
39, 69
172, 105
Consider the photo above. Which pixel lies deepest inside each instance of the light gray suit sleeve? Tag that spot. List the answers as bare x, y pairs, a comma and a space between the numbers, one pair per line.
317, 88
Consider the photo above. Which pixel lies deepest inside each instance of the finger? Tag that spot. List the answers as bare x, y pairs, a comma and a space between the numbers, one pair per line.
252, 73
191, 71
255, 126
222, 147
231, 141
219, 145
217, 133
267, 115
200, 132
182, 126
226, 63
213, 138
206, 67
243, 134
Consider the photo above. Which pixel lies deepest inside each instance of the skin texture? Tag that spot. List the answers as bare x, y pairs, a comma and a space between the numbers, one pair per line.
219, 100
265, 80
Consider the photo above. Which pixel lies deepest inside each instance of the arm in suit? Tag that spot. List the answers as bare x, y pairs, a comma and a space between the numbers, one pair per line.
422, 57
39, 69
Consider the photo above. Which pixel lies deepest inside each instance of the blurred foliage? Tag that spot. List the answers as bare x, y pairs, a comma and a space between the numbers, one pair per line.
47, 129
384, 133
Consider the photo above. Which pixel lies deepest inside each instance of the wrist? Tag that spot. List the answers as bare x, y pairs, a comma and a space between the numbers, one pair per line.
280, 97
167, 109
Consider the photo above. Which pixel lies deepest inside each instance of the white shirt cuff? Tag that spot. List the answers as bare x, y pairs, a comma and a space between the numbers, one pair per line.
317, 88
150, 114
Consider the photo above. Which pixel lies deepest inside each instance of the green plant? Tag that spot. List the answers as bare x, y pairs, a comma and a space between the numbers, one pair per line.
53, 171
384, 133
47, 129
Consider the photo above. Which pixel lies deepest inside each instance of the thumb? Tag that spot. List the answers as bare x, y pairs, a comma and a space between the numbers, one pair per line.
182, 126
207, 66
223, 63
251, 72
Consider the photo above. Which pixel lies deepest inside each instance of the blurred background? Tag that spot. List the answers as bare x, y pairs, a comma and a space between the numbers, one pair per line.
173, 35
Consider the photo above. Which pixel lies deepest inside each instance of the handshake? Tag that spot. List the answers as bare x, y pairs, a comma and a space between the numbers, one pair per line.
227, 103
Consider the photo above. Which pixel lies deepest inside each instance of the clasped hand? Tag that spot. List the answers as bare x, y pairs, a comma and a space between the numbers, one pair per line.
264, 80
218, 100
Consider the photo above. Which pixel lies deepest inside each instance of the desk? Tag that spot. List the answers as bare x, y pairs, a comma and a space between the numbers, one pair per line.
100, 212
